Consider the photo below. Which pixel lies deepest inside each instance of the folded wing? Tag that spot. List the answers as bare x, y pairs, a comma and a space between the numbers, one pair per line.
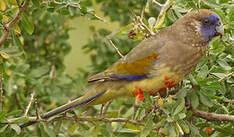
136, 65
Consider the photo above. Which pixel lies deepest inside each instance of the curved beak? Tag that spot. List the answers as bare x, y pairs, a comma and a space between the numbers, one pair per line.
219, 28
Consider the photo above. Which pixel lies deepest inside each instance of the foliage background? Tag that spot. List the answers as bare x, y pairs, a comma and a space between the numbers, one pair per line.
32, 61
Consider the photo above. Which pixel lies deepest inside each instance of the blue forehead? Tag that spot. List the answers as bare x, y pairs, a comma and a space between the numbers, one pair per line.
214, 18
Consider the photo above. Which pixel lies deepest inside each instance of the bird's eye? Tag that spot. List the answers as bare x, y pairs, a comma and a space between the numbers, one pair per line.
206, 22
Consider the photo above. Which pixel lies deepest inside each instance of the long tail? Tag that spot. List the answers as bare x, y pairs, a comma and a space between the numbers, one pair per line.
66, 107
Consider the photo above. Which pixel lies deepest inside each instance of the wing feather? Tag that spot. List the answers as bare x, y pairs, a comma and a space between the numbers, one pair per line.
135, 65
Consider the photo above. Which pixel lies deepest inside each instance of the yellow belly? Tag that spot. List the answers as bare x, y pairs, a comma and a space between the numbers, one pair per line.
164, 79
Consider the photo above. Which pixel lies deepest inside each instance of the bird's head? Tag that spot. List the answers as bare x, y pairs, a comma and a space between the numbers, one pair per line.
207, 23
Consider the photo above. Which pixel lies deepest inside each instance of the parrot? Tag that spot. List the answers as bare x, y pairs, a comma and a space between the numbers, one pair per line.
156, 64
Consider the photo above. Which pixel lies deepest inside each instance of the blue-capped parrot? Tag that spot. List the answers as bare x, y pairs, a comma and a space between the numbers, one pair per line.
157, 63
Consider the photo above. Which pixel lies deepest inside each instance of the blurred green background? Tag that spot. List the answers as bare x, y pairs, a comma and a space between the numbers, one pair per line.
80, 35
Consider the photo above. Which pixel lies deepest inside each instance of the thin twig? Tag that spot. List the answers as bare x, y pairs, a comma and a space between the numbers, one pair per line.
52, 72
75, 5
38, 117
29, 104
147, 114
213, 116
116, 49
146, 28
106, 108
226, 76
142, 23
157, 3
164, 8
11, 24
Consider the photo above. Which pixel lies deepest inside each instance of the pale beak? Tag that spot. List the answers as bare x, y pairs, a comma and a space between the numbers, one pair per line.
219, 29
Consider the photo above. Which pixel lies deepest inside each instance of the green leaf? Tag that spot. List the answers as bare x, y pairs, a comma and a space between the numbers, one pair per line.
194, 129
194, 99
27, 24
147, 97
16, 40
40, 71
16, 128
180, 107
184, 126
224, 64
193, 80
49, 131
3, 128
182, 93
205, 100
14, 112
2, 115
148, 127
203, 71
57, 127
172, 131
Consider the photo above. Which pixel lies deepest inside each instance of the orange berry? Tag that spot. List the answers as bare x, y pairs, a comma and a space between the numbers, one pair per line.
209, 131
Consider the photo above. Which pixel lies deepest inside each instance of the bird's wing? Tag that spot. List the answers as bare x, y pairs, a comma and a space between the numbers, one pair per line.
136, 65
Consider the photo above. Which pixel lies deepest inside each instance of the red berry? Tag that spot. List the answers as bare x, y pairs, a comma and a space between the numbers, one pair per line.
209, 131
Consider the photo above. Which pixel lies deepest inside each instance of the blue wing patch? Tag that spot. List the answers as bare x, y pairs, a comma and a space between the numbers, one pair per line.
129, 77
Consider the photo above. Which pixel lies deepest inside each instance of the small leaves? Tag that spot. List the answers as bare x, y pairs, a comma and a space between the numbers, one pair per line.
2, 5
194, 99
148, 127
27, 24
205, 100
224, 64
180, 106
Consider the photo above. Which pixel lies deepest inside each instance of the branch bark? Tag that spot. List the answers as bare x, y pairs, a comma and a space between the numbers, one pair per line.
213, 116
29, 104
116, 49
11, 24
164, 8
226, 76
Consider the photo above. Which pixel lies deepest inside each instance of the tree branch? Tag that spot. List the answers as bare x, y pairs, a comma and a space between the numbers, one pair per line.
11, 24
29, 104
164, 8
213, 116
226, 76
75, 5
157, 3
116, 49
142, 23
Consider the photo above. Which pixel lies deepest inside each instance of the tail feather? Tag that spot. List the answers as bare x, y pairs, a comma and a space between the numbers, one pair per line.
66, 107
